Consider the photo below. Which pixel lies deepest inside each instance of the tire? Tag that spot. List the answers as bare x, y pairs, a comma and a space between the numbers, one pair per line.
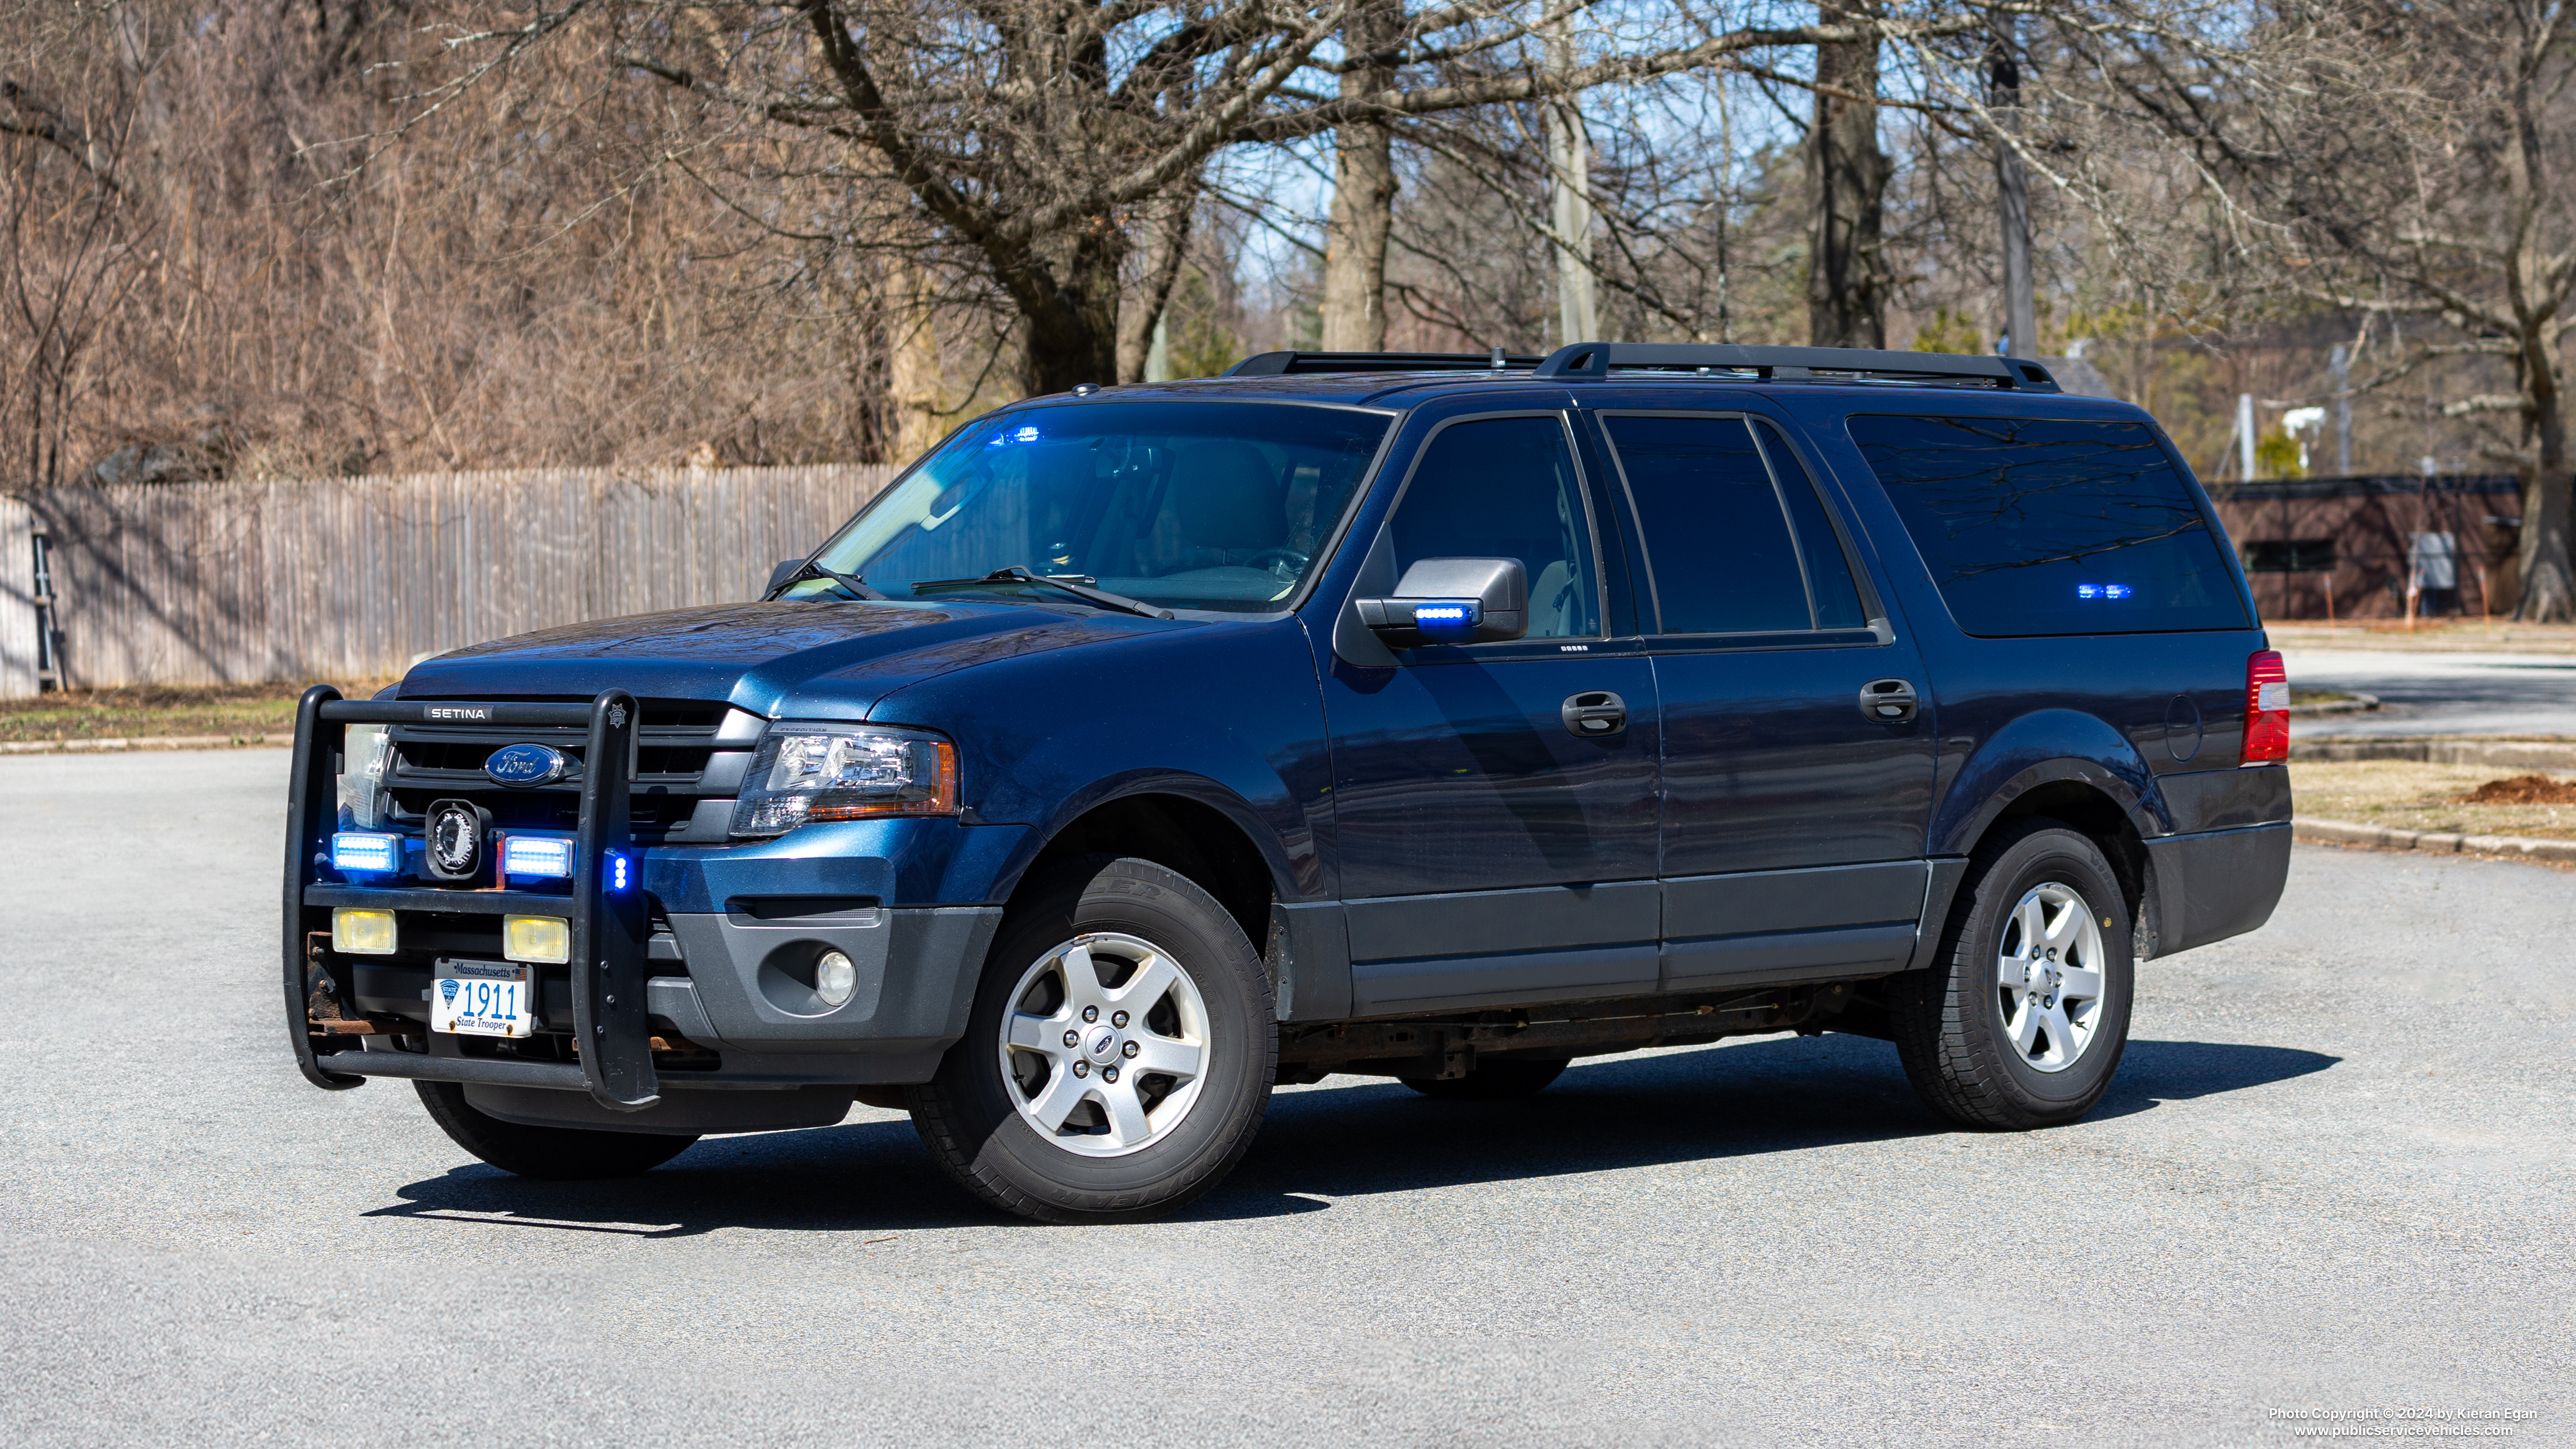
1493, 1079
556, 1154
1988, 1049
1175, 1066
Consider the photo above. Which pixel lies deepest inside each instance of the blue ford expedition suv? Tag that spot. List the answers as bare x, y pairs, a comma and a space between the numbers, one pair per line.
1442, 718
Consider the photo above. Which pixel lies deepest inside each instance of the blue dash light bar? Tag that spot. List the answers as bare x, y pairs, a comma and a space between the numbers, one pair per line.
359, 853
538, 855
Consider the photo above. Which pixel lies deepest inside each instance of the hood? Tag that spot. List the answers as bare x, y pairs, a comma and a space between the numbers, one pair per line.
822, 659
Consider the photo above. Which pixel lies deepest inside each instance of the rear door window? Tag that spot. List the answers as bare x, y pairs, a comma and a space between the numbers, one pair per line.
1729, 548
2039, 526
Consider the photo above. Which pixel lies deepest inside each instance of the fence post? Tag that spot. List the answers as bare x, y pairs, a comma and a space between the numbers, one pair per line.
21, 611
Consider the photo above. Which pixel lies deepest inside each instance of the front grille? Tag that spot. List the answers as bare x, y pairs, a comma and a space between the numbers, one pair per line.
686, 751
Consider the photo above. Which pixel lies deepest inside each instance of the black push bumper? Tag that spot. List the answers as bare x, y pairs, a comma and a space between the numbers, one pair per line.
609, 927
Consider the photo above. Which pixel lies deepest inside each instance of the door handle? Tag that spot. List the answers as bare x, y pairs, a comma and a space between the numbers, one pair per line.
1595, 714
1889, 701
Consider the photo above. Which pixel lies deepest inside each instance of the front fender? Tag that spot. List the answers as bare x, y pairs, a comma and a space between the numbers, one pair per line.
1229, 717
2040, 748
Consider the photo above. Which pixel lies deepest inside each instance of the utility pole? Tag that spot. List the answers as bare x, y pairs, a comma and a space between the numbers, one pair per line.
2012, 190
1569, 159
2339, 366
2245, 437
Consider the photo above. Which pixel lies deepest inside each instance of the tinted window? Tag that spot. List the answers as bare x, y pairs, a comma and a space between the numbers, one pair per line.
1716, 539
1195, 505
1506, 488
1830, 580
2046, 527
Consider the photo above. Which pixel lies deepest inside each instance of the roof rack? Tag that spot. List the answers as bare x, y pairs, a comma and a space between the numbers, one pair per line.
1596, 359
1279, 364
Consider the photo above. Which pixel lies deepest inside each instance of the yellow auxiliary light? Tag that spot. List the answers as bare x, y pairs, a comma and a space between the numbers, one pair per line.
362, 932
536, 938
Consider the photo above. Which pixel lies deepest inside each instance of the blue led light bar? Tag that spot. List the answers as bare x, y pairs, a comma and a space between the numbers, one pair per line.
536, 855
2103, 591
620, 871
1444, 616
356, 852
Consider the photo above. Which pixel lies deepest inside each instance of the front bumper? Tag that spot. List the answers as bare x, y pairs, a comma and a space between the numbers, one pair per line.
697, 981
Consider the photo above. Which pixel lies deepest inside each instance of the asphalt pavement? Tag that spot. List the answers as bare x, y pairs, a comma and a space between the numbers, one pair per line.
2333, 1175
2439, 694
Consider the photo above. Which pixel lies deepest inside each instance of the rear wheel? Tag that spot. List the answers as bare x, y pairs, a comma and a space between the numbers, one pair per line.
2021, 1020
1493, 1079
1120, 1055
557, 1153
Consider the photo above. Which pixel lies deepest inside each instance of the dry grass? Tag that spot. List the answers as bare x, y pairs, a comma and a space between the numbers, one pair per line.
2409, 795
156, 711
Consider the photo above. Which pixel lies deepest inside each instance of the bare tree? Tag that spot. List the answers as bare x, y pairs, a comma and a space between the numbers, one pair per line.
1029, 134
2392, 159
1848, 281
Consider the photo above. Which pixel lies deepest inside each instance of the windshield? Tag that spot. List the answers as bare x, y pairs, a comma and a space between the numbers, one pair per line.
1188, 505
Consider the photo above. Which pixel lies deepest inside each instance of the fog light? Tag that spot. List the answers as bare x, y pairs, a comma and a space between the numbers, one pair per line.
362, 932
835, 978
536, 938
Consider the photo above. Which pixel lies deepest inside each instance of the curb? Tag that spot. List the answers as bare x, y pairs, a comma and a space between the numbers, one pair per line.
2439, 750
142, 742
2439, 842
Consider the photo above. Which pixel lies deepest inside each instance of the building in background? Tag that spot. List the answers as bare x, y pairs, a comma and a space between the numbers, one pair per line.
2359, 544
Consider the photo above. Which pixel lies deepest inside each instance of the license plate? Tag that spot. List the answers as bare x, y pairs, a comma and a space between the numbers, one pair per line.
482, 998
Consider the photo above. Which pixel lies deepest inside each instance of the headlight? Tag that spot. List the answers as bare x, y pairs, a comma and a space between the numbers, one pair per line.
362, 776
844, 772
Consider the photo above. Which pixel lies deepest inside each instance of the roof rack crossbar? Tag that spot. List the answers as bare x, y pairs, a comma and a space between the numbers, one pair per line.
1596, 359
1280, 364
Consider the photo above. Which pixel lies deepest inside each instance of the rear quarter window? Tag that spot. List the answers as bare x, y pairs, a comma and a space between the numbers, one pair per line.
2036, 526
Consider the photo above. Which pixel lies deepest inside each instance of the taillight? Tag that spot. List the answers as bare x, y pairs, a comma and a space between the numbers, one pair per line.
2267, 709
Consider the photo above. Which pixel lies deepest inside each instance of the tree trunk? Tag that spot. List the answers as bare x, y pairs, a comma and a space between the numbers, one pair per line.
1363, 194
1069, 304
1569, 161
915, 374
1847, 281
1167, 243
2548, 589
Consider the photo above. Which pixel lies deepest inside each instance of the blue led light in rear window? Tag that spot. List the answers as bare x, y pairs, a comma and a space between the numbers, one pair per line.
354, 852
536, 855
2103, 591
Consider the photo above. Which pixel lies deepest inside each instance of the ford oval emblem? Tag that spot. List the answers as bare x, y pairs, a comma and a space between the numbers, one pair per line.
524, 765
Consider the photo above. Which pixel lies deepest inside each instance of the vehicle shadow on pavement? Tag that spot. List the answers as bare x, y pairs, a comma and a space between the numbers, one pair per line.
1347, 1137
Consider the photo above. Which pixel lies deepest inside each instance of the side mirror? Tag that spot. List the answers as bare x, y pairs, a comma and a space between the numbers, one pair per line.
779, 576
1452, 601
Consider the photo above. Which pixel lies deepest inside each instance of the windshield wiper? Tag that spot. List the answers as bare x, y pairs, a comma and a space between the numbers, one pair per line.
1061, 583
851, 585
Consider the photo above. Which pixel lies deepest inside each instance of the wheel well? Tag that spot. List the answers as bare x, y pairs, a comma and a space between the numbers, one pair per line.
2098, 817
1181, 835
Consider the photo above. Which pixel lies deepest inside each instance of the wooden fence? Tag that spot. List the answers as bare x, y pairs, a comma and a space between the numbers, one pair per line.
345, 578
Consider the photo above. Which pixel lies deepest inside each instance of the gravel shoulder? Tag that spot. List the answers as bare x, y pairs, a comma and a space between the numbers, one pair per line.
2335, 1171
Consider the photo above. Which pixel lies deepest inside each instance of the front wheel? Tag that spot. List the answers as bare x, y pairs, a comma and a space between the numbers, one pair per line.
1120, 1055
2021, 1020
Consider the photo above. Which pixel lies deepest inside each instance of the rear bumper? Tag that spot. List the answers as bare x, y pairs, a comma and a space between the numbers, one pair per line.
2213, 884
